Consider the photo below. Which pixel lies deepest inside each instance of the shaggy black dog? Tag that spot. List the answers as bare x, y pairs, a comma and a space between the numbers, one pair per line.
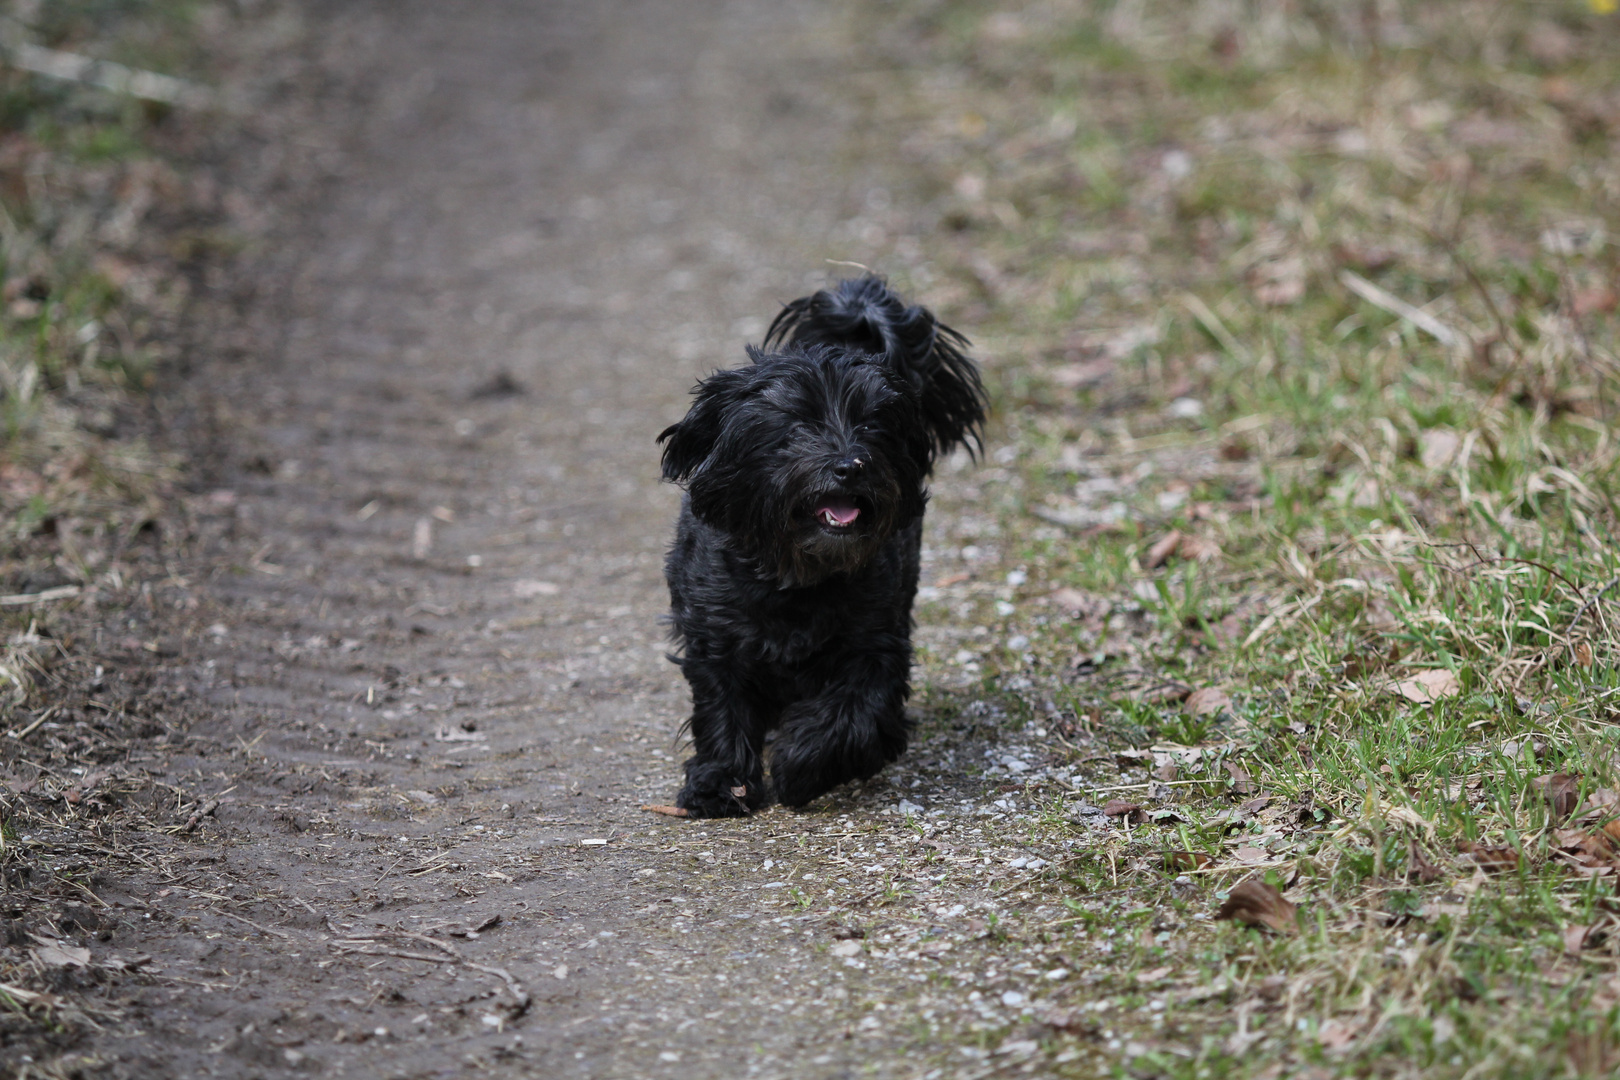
795, 560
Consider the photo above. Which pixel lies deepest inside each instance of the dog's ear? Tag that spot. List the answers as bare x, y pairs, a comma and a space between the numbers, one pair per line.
688, 444
952, 398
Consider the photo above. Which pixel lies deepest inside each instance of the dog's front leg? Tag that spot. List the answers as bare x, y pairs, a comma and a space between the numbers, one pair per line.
856, 725
725, 776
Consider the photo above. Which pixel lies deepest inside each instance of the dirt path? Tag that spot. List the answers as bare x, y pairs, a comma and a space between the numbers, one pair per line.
432, 643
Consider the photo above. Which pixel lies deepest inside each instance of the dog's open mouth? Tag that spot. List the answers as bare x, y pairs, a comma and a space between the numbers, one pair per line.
836, 513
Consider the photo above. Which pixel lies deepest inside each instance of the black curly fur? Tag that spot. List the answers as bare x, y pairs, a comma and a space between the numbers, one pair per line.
793, 625
863, 314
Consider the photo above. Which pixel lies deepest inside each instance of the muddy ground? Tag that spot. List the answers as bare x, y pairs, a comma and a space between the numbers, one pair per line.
424, 626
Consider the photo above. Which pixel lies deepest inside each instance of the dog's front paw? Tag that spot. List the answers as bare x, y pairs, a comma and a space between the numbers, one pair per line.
714, 791
805, 764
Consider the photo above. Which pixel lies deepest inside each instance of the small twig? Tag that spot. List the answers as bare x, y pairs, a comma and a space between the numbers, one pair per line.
61, 592
388, 871
1396, 306
1582, 610
38, 720
1479, 286
201, 812
71, 67
520, 995
435, 942
262, 929
1212, 323
403, 954
1151, 783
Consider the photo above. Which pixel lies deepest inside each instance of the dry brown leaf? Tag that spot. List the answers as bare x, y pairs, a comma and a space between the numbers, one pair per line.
1198, 549
1427, 687
1187, 860
1589, 301
1590, 854
1078, 1019
1254, 806
1604, 802
1418, 866
1576, 937
1576, 839
1337, 1034
1366, 257
1166, 694
1251, 856
1229, 630
1162, 549
1436, 448
55, 954
1209, 701
1358, 664
668, 811
1120, 808
1562, 792
1242, 784
1583, 654
1279, 282
1593, 1052
1256, 903
1492, 858
1167, 771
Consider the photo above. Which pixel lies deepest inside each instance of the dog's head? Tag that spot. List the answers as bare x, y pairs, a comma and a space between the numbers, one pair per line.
808, 459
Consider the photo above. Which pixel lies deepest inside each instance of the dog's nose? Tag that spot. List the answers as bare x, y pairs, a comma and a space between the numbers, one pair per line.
848, 468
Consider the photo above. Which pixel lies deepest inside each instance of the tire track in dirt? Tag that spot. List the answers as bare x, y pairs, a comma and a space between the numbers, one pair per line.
435, 650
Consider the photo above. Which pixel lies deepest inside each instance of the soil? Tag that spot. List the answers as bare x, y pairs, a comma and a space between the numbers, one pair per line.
427, 633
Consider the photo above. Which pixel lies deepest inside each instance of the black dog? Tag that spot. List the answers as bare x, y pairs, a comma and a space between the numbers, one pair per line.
795, 560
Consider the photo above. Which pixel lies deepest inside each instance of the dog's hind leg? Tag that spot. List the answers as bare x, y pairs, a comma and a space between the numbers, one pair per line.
725, 776
849, 731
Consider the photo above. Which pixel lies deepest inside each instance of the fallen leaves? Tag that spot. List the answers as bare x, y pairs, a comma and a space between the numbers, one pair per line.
56, 954
1418, 866
1278, 282
1428, 687
1181, 861
1242, 783
1590, 845
1209, 701
1562, 792
1183, 545
1437, 447
1258, 903
1132, 813
1578, 936
1491, 858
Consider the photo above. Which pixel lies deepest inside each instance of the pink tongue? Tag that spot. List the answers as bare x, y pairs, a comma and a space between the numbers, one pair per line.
838, 512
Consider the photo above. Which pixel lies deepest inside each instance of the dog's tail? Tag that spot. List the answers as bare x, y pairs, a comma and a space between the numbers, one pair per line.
864, 314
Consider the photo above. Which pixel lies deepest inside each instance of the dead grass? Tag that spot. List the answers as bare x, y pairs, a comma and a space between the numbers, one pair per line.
1303, 325
93, 282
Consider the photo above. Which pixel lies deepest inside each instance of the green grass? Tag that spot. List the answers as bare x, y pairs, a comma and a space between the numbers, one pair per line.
1383, 504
